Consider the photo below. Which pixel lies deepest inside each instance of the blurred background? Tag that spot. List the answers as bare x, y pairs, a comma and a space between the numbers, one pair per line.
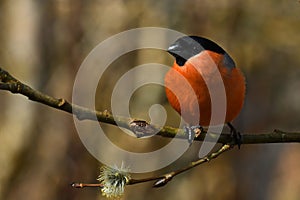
43, 44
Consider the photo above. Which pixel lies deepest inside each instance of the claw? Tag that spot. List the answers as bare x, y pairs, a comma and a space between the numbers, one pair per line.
192, 132
236, 135
198, 130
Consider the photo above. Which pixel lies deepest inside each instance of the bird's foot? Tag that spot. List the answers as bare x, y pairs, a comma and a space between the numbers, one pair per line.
236, 135
193, 132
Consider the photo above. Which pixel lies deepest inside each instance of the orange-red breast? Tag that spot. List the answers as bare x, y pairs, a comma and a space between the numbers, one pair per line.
205, 66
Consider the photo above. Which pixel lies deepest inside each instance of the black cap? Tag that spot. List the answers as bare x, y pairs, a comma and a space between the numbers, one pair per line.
188, 46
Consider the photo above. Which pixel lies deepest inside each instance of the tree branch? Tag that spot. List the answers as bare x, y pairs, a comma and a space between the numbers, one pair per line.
9, 83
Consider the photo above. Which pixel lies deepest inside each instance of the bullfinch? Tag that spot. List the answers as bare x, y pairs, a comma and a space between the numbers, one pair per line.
201, 69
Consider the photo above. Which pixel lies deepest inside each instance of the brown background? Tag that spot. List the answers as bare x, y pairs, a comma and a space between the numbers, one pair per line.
43, 44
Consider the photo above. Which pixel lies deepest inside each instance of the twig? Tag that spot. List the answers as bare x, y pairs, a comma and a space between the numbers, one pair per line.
164, 179
9, 83
167, 177
82, 185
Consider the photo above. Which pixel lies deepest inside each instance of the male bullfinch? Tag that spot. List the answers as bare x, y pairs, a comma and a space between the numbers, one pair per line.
201, 68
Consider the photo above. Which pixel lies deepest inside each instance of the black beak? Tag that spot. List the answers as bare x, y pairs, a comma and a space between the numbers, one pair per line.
178, 53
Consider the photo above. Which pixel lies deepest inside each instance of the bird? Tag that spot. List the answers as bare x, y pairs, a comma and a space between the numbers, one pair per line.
202, 68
